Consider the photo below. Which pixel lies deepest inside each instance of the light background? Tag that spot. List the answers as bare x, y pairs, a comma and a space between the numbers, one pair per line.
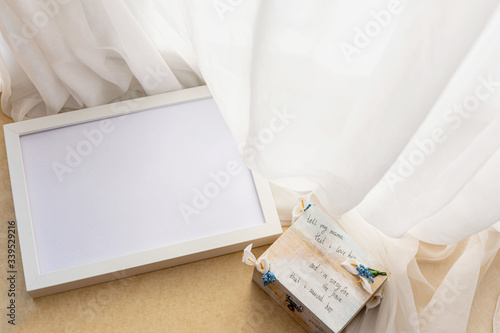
213, 295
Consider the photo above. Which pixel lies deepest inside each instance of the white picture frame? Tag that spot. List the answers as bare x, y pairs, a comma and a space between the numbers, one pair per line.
42, 274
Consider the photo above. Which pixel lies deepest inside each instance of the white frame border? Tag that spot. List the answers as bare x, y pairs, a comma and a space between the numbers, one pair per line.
76, 277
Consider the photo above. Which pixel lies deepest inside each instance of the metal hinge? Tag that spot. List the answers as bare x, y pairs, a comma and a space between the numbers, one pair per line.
292, 305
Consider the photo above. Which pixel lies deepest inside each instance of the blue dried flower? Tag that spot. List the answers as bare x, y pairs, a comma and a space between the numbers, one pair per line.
268, 278
365, 272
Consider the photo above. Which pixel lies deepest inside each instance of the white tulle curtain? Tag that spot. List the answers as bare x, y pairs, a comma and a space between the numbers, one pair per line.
60, 55
388, 110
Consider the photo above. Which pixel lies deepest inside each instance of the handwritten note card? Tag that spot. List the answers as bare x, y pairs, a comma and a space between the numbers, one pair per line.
307, 260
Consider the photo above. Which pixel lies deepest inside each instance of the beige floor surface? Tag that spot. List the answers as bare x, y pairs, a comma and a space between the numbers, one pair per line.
214, 295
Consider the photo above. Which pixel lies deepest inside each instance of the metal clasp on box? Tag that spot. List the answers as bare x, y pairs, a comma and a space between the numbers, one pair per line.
292, 305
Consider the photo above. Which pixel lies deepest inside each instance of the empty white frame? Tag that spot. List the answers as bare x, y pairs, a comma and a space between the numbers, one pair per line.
131, 187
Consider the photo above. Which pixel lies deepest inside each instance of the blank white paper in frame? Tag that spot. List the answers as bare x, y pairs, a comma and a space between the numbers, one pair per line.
128, 184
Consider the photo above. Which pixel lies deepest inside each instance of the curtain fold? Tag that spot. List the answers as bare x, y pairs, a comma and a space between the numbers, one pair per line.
387, 110
67, 55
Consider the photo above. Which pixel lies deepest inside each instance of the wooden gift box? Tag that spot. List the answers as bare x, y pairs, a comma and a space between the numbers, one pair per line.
311, 283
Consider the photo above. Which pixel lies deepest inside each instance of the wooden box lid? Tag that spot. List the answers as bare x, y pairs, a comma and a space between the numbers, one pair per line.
307, 262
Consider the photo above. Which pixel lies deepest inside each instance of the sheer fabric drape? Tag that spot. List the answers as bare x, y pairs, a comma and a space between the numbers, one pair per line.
62, 55
387, 110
